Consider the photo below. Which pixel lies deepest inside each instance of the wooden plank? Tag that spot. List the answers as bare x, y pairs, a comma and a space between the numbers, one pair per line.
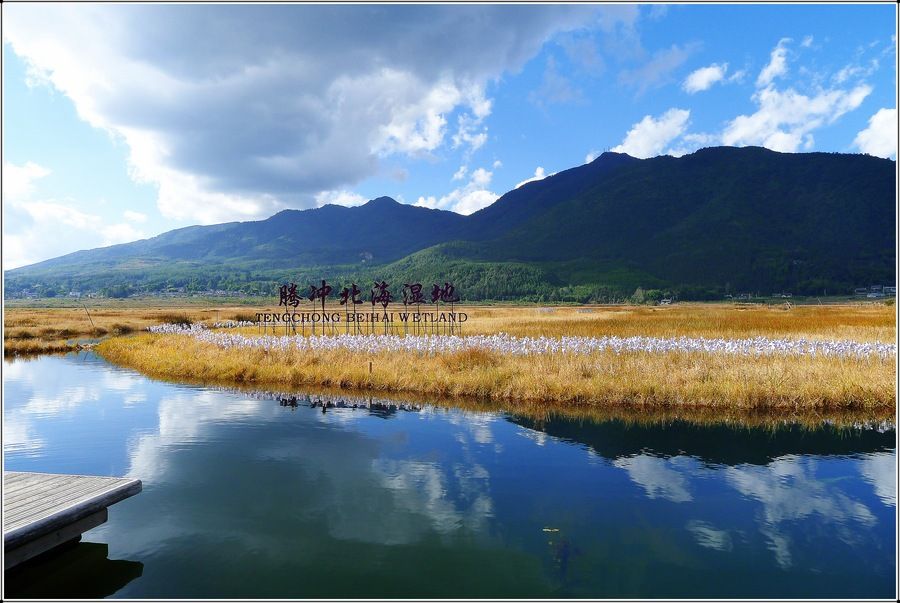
55, 494
38, 505
47, 502
41, 490
63, 535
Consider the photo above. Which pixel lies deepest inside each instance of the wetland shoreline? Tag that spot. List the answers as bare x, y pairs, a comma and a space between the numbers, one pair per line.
679, 380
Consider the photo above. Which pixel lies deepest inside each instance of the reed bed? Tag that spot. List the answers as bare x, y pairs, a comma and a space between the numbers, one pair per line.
674, 378
628, 369
503, 343
28, 331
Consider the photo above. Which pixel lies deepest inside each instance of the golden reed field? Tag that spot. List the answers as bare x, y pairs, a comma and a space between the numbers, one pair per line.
630, 379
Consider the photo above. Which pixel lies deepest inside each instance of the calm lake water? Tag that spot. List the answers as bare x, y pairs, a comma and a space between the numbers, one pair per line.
245, 496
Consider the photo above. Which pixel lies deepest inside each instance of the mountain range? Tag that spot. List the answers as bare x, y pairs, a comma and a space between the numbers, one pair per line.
720, 220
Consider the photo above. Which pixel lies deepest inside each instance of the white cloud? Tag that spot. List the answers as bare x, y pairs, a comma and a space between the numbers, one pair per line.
419, 124
306, 99
466, 199
497, 164
120, 233
48, 211
854, 71
650, 136
18, 180
539, 174
57, 229
704, 78
51, 227
880, 137
785, 119
461, 172
777, 66
341, 197
481, 177
590, 156
470, 131
134, 216
807, 41
691, 142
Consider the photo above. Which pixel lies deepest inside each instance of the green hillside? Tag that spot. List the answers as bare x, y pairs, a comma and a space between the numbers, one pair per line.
721, 220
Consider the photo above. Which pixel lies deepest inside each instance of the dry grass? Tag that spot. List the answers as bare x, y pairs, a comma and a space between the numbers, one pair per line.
636, 380
860, 322
633, 379
36, 331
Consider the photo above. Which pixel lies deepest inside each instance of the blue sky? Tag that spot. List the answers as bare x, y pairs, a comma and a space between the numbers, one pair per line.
122, 122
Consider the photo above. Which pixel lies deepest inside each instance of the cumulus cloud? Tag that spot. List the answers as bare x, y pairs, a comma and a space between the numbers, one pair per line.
341, 197
235, 112
539, 174
785, 119
471, 197
880, 137
691, 142
470, 131
650, 136
703, 78
777, 65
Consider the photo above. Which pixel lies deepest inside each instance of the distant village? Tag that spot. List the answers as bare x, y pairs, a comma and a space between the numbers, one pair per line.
871, 292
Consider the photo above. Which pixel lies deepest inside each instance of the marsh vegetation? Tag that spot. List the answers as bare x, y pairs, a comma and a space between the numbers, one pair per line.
610, 377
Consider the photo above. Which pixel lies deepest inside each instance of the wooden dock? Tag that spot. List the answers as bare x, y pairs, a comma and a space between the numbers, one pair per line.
43, 510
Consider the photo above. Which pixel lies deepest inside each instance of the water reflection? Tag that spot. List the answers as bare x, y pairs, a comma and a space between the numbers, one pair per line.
720, 444
375, 406
660, 477
261, 494
81, 571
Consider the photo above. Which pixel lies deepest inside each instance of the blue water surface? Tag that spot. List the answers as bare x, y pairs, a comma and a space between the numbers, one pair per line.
245, 496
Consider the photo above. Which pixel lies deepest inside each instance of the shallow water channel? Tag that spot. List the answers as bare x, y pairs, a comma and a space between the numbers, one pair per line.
257, 495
